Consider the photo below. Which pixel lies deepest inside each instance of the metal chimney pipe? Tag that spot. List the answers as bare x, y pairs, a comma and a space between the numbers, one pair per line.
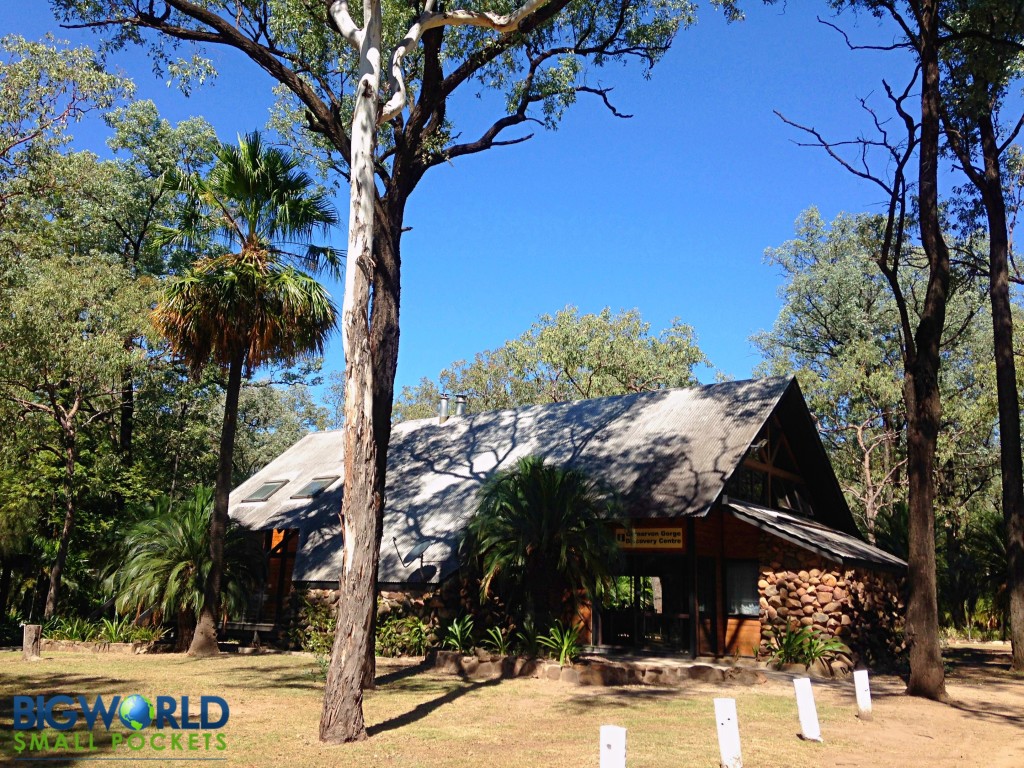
460, 405
442, 409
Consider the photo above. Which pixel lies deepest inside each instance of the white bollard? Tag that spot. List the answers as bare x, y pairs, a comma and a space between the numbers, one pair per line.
728, 733
809, 728
613, 746
860, 684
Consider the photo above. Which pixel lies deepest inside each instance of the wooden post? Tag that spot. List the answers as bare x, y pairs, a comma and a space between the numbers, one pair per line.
860, 684
728, 733
613, 746
30, 642
809, 727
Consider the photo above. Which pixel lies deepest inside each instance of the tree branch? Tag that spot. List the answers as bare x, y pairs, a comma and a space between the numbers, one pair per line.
343, 22
603, 93
431, 19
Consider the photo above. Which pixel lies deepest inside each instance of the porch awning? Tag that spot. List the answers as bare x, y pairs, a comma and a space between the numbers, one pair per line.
808, 534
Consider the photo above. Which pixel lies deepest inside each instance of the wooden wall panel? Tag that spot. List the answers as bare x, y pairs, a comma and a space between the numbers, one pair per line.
742, 636
741, 539
708, 532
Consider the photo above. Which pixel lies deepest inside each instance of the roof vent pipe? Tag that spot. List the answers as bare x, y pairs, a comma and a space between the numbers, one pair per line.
442, 409
460, 405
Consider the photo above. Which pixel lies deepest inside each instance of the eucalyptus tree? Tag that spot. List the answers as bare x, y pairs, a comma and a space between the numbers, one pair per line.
913, 136
374, 89
61, 347
980, 70
839, 332
244, 308
45, 87
566, 356
133, 204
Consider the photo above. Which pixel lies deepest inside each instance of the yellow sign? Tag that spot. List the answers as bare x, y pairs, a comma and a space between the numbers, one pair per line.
650, 538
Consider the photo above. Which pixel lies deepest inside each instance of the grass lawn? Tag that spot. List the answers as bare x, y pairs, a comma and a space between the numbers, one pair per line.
422, 718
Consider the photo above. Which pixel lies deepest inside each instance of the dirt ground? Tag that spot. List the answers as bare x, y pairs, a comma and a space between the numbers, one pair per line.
982, 726
423, 718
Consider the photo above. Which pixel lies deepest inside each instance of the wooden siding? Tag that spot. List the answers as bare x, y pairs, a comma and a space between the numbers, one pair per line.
742, 636
741, 539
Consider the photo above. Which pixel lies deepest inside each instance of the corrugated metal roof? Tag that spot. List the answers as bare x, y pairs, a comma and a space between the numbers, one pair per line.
829, 543
668, 453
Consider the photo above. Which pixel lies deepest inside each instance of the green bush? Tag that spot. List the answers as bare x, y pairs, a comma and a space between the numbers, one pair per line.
802, 645
76, 628
402, 636
563, 642
459, 635
317, 635
123, 630
498, 641
527, 641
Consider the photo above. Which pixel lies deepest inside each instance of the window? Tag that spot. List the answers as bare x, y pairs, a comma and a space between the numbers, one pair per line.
741, 596
315, 487
748, 484
266, 490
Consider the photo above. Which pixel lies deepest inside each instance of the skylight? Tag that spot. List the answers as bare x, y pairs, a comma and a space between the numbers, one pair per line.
315, 487
266, 490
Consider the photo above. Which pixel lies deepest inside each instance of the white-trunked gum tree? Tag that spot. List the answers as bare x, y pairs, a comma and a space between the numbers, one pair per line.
365, 90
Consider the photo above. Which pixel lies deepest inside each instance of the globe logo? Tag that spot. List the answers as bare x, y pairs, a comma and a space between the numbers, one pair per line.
136, 712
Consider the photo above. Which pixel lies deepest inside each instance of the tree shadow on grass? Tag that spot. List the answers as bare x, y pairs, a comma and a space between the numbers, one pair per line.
401, 673
426, 708
622, 697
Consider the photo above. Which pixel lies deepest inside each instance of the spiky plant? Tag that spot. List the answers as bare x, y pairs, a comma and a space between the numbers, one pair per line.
165, 562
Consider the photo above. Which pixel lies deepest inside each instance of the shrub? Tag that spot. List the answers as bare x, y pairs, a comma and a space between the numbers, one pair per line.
317, 636
563, 642
459, 635
527, 641
124, 631
541, 540
76, 629
802, 645
402, 636
498, 641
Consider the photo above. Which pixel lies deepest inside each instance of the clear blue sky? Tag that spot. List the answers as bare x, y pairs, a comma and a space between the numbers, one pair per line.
668, 212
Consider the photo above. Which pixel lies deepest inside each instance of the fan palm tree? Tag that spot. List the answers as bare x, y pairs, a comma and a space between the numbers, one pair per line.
245, 304
166, 560
542, 540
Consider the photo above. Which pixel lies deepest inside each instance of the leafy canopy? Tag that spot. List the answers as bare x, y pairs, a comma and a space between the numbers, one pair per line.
566, 356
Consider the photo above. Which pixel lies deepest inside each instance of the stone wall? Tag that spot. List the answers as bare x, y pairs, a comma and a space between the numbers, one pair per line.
864, 609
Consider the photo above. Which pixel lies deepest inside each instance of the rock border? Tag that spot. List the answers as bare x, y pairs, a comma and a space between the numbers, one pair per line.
84, 646
589, 671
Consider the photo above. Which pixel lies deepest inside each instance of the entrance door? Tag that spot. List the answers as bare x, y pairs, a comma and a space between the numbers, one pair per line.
707, 606
647, 608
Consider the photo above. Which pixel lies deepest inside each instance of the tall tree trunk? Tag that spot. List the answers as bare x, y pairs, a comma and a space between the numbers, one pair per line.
1010, 461
204, 642
57, 572
341, 719
384, 335
921, 385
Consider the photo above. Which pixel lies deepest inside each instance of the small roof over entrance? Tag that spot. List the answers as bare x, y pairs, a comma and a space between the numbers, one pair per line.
831, 544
